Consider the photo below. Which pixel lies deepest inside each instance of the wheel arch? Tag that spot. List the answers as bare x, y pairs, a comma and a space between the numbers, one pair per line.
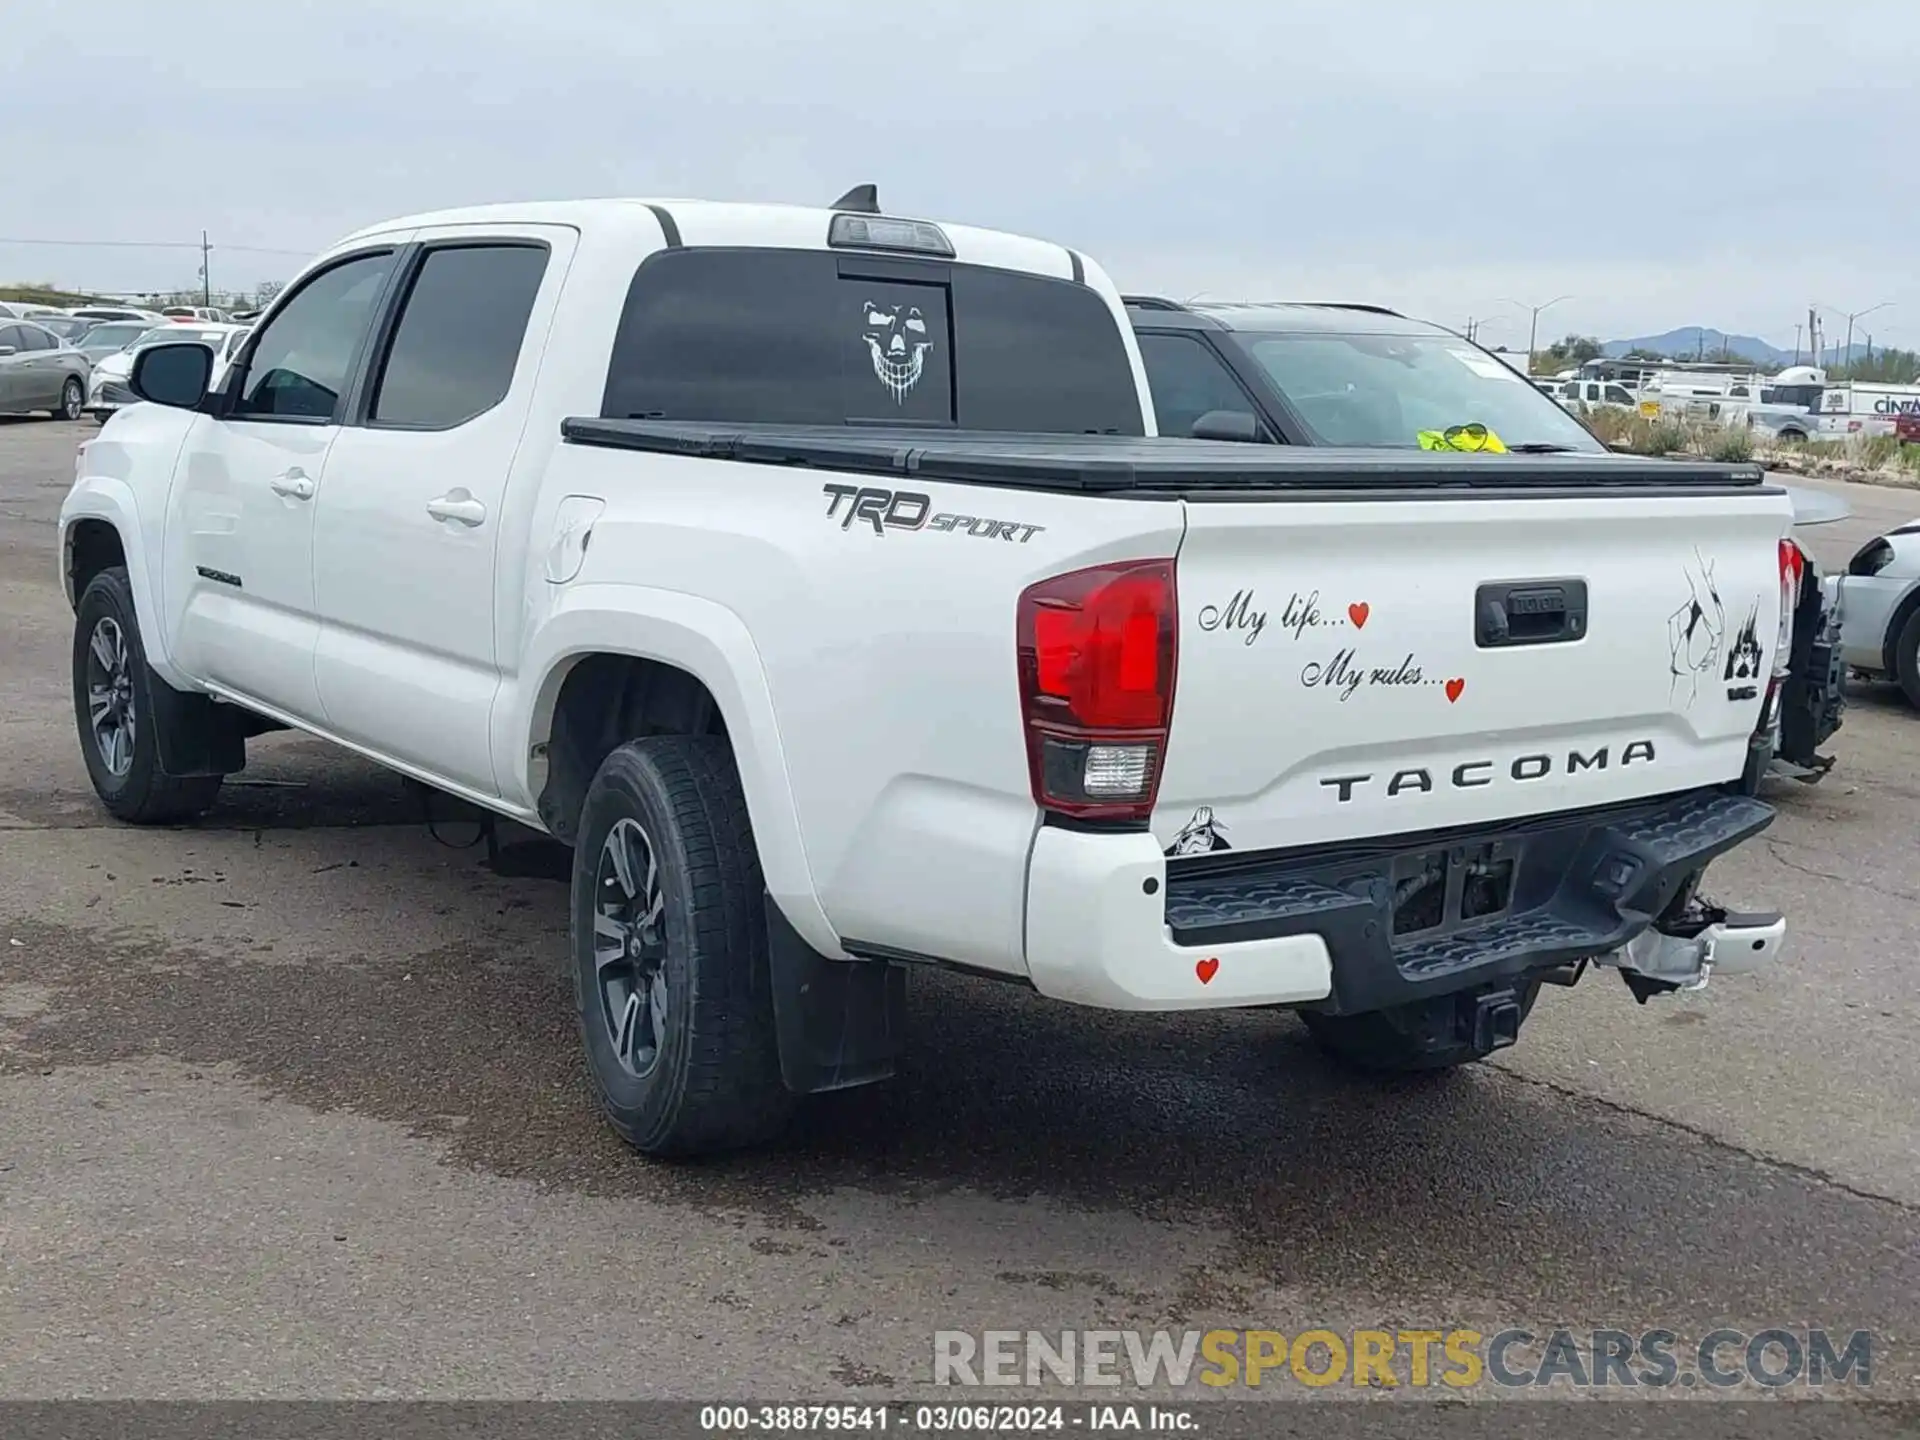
1896, 622
616, 657
100, 527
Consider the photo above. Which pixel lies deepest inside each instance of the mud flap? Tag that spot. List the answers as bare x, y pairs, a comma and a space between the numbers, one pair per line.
196, 736
840, 1023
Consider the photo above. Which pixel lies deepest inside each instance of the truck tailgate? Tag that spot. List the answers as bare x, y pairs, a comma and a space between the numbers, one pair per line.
1367, 667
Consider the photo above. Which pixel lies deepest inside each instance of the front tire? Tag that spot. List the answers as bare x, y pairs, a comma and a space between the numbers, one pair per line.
1407, 1039
1906, 659
113, 690
73, 399
670, 948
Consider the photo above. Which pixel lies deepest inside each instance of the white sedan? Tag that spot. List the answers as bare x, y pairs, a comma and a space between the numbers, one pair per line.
108, 391
1880, 616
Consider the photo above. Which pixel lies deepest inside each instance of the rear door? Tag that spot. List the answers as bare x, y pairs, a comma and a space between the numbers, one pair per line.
408, 527
14, 358
40, 371
1341, 672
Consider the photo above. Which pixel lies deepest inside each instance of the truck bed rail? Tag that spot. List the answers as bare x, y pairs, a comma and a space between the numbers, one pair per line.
1160, 468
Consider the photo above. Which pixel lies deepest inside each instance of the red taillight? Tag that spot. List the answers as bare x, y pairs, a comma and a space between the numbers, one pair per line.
1792, 568
1096, 652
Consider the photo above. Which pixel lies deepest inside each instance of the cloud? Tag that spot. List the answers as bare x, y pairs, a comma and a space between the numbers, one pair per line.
1664, 164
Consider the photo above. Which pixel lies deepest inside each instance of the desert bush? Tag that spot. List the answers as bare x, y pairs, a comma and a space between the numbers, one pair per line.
1665, 437
1731, 446
1614, 426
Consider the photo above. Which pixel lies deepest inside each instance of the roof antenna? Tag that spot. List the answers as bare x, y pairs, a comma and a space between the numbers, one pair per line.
863, 199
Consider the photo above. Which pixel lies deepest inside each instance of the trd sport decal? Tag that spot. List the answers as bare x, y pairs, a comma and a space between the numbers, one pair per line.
888, 510
1694, 633
897, 338
1200, 836
1744, 659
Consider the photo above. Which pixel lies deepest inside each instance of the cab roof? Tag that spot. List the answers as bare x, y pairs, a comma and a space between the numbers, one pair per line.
693, 222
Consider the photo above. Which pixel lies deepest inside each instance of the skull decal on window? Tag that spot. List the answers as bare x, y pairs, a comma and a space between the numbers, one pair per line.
897, 338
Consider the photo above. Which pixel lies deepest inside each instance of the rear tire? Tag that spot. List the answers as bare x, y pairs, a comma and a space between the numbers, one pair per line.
1407, 1039
113, 690
73, 399
676, 1011
1906, 659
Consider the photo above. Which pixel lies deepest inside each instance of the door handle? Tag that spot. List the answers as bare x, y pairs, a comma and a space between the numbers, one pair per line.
457, 504
294, 485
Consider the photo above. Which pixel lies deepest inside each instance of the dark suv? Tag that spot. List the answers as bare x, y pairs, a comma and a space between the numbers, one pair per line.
1361, 375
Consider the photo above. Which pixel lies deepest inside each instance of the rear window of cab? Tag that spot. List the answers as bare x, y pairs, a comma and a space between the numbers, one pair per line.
828, 338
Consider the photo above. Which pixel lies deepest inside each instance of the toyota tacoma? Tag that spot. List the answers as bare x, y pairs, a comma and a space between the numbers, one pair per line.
818, 577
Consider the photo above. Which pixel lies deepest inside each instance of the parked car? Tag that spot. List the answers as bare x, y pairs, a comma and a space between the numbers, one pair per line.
68, 327
202, 313
1364, 375
114, 312
104, 337
1601, 394
695, 535
107, 390
1879, 598
40, 371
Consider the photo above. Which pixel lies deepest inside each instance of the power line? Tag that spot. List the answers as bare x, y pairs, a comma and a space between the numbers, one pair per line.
155, 245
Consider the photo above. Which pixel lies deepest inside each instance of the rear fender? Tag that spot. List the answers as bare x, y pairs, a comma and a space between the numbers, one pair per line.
709, 642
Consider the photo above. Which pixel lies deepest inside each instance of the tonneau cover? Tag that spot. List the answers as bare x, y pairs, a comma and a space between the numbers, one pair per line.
1127, 463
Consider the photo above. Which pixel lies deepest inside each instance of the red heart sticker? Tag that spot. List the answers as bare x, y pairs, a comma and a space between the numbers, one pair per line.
1358, 614
1454, 687
1207, 969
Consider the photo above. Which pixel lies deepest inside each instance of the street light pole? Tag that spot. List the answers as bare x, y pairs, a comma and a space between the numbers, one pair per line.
1846, 355
1533, 326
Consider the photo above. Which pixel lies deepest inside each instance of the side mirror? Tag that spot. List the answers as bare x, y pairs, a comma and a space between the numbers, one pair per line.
1226, 425
6, 349
172, 374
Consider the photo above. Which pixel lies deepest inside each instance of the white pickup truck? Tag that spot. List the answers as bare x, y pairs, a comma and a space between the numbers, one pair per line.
818, 577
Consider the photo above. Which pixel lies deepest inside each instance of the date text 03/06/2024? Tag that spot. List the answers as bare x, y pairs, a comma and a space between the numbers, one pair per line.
962, 1418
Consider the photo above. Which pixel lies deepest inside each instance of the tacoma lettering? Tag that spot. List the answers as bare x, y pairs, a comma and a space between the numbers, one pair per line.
1476, 774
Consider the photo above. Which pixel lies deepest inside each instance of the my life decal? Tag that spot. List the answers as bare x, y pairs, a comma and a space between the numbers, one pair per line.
1346, 671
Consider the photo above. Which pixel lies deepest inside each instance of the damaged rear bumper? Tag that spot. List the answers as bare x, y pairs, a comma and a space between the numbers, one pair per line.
1417, 916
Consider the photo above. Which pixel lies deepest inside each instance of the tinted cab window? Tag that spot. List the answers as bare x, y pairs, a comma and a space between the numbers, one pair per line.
831, 338
299, 364
454, 351
1189, 379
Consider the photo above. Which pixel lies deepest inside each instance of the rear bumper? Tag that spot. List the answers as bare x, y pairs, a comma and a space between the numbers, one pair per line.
1108, 925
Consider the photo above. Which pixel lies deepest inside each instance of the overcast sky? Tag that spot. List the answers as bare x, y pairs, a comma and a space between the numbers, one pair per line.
1666, 164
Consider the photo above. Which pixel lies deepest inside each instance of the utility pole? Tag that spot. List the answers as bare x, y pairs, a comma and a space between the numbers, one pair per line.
1813, 333
1533, 325
1796, 344
1846, 355
206, 272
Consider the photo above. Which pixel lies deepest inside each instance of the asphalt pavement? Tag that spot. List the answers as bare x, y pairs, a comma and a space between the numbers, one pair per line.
291, 1106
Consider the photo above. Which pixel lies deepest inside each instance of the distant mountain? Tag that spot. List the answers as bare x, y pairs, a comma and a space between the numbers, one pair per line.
1703, 341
